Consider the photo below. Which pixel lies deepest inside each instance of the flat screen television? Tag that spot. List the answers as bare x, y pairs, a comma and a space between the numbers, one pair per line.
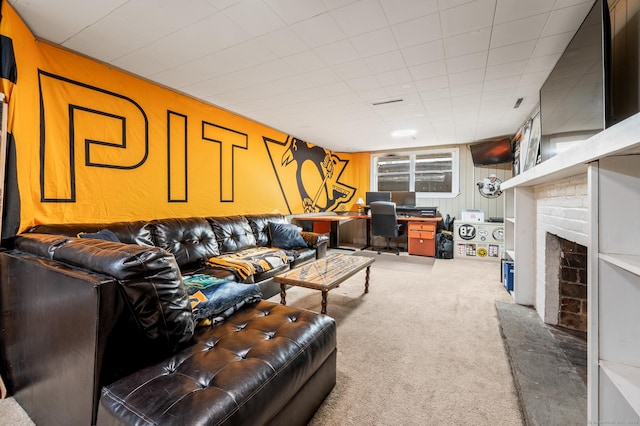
574, 100
377, 196
404, 198
491, 152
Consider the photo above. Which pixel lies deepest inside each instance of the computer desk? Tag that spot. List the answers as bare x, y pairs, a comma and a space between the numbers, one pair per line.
334, 220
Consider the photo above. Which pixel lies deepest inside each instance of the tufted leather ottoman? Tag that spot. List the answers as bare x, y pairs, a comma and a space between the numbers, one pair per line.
266, 364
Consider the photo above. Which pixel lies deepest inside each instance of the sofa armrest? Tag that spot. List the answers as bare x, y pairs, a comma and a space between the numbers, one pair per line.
149, 278
320, 242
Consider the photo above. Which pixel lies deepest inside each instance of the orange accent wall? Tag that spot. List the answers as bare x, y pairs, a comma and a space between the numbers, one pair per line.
95, 144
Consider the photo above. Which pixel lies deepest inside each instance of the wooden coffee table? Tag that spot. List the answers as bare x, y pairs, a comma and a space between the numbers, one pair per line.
324, 274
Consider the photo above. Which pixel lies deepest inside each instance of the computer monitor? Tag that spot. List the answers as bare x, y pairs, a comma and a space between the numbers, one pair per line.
404, 198
377, 196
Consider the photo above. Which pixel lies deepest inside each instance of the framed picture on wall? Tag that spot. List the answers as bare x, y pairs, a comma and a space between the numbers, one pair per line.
532, 154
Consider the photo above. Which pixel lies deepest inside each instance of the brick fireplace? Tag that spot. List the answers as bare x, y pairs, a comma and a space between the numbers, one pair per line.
562, 229
572, 283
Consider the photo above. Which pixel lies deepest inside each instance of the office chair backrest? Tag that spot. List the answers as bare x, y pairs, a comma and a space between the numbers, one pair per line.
384, 220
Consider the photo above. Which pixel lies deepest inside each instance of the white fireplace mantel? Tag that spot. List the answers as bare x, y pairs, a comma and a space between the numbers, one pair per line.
622, 138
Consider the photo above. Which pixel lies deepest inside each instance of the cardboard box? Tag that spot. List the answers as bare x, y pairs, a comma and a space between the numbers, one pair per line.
472, 216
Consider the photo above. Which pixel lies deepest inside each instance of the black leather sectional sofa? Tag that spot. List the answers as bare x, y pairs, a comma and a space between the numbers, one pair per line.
102, 332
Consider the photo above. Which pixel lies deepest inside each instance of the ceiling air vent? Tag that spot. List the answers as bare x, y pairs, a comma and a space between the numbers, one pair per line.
391, 101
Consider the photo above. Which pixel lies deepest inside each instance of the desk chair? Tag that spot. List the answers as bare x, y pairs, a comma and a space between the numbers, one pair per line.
384, 223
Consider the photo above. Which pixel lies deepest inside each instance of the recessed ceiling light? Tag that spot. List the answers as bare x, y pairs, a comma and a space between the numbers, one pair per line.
403, 133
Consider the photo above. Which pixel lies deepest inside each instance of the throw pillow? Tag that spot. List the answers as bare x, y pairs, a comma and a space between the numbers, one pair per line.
104, 234
286, 236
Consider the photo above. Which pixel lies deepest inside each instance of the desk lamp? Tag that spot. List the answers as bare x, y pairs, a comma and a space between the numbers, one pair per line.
360, 203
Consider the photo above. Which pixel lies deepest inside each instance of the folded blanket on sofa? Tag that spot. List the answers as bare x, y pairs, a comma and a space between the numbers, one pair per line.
250, 261
214, 299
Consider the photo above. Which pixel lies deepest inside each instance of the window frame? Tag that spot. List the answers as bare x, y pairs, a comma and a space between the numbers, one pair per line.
455, 170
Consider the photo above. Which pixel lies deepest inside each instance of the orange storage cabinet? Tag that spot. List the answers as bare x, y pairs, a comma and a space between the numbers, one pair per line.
422, 238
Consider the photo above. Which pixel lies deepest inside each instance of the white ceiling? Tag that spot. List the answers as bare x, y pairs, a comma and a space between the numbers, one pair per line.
314, 68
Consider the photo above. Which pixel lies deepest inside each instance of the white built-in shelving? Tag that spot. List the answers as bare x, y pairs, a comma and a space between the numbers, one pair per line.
611, 160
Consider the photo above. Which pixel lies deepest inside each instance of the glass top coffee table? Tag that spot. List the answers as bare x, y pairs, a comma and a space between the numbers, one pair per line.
324, 274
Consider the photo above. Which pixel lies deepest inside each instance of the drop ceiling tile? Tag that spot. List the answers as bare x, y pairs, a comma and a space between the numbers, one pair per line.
467, 77
423, 53
567, 19
223, 4
389, 78
492, 94
305, 61
58, 21
426, 85
321, 77
534, 79
466, 89
418, 31
364, 83
512, 10
501, 83
108, 39
467, 17
254, 16
385, 62
467, 62
555, 44
349, 18
352, 69
292, 11
471, 42
165, 17
334, 4
283, 42
373, 95
448, 4
511, 69
430, 70
518, 31
375, 43
205, 68
400, 11
319, 30
511, 53
542, 63
432, 98
337, 53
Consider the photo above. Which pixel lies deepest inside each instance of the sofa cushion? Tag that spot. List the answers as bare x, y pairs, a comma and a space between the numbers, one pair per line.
190, 240
136, 232
104, 234
241, 372
286, 236
302, 256
260, 227
233, 233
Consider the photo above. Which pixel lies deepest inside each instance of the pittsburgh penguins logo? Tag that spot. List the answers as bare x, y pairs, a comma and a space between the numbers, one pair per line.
317, 175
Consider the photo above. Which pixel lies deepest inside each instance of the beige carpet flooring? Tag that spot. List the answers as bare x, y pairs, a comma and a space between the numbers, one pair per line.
423, 347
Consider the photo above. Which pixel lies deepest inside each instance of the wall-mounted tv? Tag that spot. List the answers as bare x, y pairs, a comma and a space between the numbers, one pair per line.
574, 100
491, 152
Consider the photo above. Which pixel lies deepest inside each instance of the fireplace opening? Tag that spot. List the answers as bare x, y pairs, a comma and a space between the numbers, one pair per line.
572, 286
